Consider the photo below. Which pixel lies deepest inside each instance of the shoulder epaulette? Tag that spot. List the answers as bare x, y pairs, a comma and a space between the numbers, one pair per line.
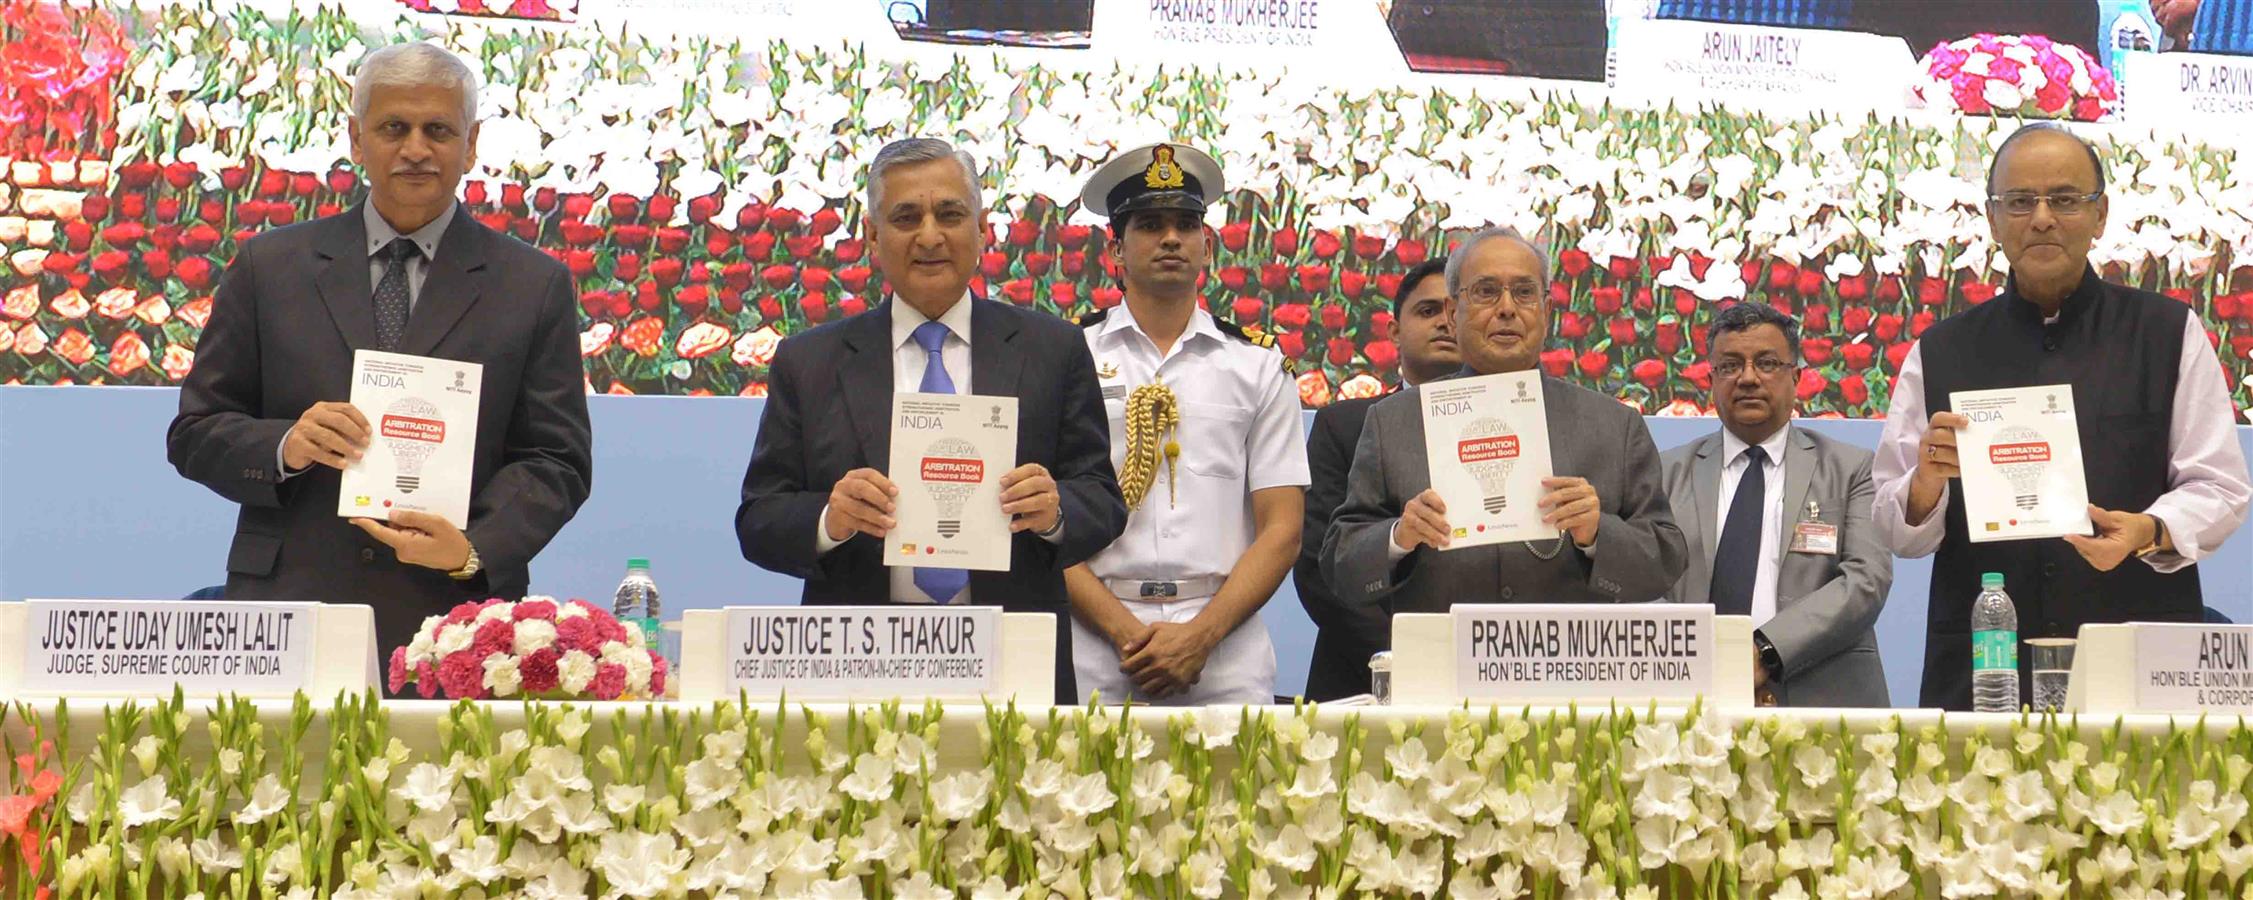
1090, 320
1251, 334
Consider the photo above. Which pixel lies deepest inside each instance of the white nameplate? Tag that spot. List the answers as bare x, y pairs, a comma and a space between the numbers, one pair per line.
2194, 92
148, 646
2194, 668
1667, 59
863, 652
1540, 651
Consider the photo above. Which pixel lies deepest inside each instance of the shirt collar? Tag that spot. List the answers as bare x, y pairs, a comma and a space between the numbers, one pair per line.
426, 238
1121, 318
905, 319
1733, 447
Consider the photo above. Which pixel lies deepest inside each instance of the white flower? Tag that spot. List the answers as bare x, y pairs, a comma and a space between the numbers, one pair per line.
1289, 849
1410, 760
266, 798
558, 881
214, 855
147, 802
995, 889
534, 635
871, 781
847, 888
427, 787
1042, 778
921, 887
960, 795
710, 781
1319, 747
2117, 814
638, 864
622, 799
479, 862
2026, 797
1086, 795
1216, 726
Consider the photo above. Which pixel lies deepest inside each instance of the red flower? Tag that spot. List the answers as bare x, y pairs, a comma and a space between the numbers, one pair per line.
110, 265
1388, 285
1571, 326
758, 245
1606, 300
1409, 252
770, 308
1381, 354
168, 210
1235, 278
538, 670
1816, 350
1575, 263
462, 675
1559, 293
1922, 321
1556, 363
815, 278
1697, 339
1669, 337
1782, 276
1858, 356
1854, 320
2241, 346
195, 312
1595, 363
643, 335
157, 263
2226, 306
1651, 373
180, 174
1380, 325
1235, 236
693, 299
1368, 246
783, 219
1341, 351
1854, 289
1248, 309
1063, 294
1018, 290
132, 206
1075, 264
1072, 236
1333, 317
993, 264
1624, 267
1106, 297
609, 682
1644, 301
1622, 330
1273, 276
815, 307
778, 276
1291, 344
137, 175
1889, 289
1293, 316
1855, 390
1932, 291
851, 306
1815, 318
1286, 242
196, 272
1811, 384
577, 206
626, 267
854, 278
673, 240
1979, 292
94, 208
1699, 373
1038, 264
624, 207
1023, 232
1314, 279
1810, 282
1351, 283
395, 679
1889, 327
544, 199
1897, 354
2181, 295
635, 236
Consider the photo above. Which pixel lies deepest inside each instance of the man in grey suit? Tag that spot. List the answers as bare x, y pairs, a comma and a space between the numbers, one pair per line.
265, 418
1780, 519
1617, 541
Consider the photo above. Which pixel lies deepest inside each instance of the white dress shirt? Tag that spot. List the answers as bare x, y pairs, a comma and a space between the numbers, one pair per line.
1733, 468
2208, 488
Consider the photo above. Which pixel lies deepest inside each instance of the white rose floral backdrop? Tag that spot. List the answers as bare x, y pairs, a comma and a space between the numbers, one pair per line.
706, 195
181, 800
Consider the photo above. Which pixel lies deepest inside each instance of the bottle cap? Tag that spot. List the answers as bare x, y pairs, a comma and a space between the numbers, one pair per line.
640, 562
1991, 581
1381, 661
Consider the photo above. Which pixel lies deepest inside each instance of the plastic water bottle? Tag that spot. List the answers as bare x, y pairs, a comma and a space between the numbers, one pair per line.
637, 601
1994, 648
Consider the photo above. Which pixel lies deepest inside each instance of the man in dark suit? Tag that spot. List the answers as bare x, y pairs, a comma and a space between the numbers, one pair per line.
816, 502
1424, 332
1616, 538
1778, 523
264, 418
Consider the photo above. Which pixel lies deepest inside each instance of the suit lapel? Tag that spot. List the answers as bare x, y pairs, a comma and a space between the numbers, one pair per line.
864, 382
1705, 485
342, 280
1799, 474
453, 285
995, 367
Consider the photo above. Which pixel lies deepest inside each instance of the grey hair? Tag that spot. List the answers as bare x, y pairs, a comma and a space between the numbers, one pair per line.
1463, 250
909, 151
416, 64
2096, 160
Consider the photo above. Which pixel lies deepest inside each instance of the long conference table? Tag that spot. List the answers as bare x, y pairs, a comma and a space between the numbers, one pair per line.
355, 796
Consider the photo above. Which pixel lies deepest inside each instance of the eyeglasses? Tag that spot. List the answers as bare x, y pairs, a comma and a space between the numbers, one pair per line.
2060, 204
1769, 366
1489, 291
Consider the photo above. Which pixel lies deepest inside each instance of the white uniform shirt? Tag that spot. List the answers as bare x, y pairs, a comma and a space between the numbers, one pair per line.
1734, 464
1240, 432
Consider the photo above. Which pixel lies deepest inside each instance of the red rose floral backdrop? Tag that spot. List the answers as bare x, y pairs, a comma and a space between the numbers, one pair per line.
705, 194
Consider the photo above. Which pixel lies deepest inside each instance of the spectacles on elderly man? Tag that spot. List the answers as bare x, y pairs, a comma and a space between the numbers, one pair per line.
1487, 292
1768, 366
2022, 204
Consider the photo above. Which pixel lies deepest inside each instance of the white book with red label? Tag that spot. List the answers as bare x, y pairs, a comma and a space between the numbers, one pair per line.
949, 452
422, 419
2021, 460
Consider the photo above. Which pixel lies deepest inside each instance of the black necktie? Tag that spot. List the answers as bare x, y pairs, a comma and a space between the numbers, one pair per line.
1736, 560
391, 294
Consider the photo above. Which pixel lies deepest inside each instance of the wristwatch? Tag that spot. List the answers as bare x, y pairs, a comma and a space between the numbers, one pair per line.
2158, 537
1769, 658
470, 568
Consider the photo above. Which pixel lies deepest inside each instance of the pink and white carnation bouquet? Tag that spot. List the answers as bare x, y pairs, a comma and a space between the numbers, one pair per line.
2027, 76
537, 647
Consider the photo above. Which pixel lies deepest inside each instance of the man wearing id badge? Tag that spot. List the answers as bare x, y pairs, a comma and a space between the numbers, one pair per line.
1778, 523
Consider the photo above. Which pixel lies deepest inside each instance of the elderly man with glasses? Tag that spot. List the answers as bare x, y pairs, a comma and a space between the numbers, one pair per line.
1616, 538
2167, 483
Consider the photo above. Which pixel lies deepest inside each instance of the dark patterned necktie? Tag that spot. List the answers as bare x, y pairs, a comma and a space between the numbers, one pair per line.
391, 294
1736, 559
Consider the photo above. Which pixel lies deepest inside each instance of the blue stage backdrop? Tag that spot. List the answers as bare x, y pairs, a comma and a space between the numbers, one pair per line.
89, 508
